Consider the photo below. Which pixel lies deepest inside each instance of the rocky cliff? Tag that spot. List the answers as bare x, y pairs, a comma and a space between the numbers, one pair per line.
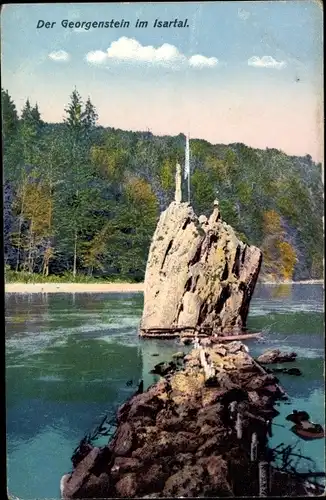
199, 275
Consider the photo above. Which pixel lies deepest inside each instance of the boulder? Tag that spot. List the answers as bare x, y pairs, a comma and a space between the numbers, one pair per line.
276, 356
124, 439
197, 275
164, 368
152, 479
127, 485
82, 483
187, 482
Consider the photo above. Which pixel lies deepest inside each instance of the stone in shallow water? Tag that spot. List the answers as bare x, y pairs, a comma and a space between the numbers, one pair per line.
276, 356
82, 483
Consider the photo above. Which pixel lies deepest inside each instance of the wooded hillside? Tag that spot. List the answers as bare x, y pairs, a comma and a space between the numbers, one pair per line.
84, 199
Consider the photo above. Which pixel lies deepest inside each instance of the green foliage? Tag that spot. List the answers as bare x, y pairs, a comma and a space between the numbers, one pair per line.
89, 116
30, 128
203, 192
9, 116
74, 113
25, 277
167, 176
86, 199
228, 212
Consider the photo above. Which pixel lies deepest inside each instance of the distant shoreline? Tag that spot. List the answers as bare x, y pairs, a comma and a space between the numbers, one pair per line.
107, 287
73, 287
303, 282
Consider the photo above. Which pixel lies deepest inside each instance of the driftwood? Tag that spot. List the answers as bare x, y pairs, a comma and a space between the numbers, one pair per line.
238, 337
170, 333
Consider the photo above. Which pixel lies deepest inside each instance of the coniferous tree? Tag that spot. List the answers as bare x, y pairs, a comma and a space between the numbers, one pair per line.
30, 128
81, 197
9, 117
12, 155
74, 115
89, 116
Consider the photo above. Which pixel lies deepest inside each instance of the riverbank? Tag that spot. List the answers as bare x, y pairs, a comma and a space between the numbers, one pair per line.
73, 287
107, 287
303, 282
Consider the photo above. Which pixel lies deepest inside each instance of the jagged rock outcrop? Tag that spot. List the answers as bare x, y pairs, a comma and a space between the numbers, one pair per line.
198, 275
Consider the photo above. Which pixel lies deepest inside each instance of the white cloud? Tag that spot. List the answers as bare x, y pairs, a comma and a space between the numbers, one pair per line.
243, 14
266, 62
96, 57
59, 56
199, 61
130, 50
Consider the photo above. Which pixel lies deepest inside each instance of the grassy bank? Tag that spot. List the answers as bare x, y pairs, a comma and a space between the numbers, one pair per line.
24, 277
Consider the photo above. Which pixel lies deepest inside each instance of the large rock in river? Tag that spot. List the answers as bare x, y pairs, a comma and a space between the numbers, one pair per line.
199, 274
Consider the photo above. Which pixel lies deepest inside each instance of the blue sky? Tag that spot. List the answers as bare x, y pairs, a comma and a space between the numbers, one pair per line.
242, 72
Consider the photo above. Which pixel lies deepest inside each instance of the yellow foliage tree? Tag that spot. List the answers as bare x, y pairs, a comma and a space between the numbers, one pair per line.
38, 209
111, 162
34, 203
273, 236
288, 259
272, 224
279, 255
139, 193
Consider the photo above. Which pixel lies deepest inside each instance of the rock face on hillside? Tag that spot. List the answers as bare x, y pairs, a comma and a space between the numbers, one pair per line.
198, 275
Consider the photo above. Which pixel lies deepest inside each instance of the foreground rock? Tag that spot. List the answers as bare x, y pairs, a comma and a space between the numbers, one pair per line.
276, 356
199, 275
188, 435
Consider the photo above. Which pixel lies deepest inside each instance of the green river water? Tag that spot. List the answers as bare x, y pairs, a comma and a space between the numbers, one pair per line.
69, 357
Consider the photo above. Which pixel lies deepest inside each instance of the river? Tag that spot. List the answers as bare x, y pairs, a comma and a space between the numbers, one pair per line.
69, 358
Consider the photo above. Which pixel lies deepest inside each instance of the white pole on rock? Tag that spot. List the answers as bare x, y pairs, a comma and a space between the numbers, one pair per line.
187, 165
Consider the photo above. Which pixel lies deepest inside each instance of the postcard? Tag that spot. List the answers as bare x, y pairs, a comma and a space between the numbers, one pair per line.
163, 243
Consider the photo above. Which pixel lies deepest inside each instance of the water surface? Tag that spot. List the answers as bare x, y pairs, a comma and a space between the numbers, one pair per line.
69, 357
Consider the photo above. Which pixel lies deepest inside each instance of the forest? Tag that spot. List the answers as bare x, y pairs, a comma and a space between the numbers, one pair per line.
82, 201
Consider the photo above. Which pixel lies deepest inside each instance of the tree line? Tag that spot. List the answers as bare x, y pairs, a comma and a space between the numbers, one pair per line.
83, 199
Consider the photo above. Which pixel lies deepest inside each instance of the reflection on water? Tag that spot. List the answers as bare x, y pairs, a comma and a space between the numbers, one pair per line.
282, 290
69, 357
